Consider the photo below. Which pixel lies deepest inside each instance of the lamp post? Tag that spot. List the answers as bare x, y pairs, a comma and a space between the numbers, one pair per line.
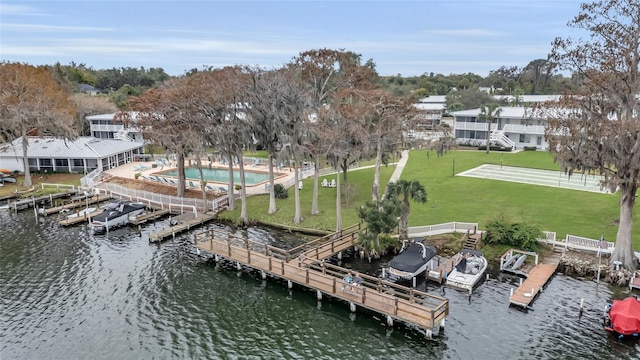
501, 156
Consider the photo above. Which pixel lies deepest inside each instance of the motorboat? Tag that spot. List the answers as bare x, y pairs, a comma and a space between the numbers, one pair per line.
116, 214
414, 258
7, 178
623, 317
82, 213
468, 272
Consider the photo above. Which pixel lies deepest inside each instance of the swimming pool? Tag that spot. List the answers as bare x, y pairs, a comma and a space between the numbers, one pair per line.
221, 175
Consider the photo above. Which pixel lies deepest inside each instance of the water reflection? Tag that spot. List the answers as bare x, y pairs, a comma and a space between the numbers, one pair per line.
68, 294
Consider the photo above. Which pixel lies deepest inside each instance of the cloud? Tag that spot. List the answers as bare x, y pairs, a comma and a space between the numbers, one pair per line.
6, 9
50, 28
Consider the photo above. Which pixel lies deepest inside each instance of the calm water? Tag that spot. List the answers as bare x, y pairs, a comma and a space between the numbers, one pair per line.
66, 294
220, 175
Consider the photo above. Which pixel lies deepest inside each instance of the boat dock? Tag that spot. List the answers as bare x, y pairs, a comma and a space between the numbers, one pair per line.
33, 202
188, 221
76, 204
445, 266
396, 302
80, 219
156, 214
537, 278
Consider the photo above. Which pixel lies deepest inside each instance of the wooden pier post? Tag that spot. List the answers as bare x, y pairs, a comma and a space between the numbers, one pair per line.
289, 284
352, 307
318, 295
389, 321
263, 275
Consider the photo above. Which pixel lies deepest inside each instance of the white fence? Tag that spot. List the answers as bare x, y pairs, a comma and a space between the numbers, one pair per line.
164, 201
428, 230
569, 242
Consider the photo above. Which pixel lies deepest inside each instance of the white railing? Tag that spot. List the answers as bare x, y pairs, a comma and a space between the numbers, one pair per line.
58, 186
89, 179
499, 137
170, 202
428, 230
524, 129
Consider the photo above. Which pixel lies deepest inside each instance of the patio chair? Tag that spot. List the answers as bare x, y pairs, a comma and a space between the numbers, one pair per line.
191, 185
172, 182
332, 183
325, 183
256, 162
210, 188
222, 189
300, 185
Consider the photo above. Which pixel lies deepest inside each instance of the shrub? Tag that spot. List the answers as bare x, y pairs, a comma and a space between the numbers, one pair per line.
280, 191
137, 175
530, 148
518, 235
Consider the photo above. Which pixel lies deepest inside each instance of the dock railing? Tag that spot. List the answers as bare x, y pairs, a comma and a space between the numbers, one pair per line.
170, 202
407, 304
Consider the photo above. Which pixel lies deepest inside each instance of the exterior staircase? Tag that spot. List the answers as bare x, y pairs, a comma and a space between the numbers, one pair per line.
123, 135
499, 137
473, 239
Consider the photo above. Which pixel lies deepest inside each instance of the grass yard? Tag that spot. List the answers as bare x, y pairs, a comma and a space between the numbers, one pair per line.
453, 198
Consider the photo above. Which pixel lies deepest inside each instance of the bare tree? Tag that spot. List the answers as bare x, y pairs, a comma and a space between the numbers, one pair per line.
166, 116
267, 109
325, 72
33, 102
596, 128
385, 117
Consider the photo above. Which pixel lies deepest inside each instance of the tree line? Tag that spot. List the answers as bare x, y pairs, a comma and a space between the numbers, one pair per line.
328, 104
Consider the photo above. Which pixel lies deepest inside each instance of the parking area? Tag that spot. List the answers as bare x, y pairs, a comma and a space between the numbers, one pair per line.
537, 177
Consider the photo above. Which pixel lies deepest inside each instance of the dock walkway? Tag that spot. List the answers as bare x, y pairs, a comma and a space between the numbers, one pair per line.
187, 222
445, 266
80, 219
32, 202
396, 302
536, 280
141, 219
76, 204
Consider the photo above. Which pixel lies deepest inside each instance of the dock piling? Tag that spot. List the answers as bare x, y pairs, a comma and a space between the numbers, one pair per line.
318, 295
352, 307
389, 321
413, 281
581, 305
289, 284
263, 275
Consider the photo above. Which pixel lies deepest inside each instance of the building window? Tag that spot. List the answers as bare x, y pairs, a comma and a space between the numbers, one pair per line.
62, 162
539, 141
521, 138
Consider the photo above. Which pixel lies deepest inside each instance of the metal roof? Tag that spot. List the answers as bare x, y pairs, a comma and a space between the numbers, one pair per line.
84, 147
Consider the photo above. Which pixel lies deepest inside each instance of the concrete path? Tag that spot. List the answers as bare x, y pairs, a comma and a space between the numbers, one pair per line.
404, 156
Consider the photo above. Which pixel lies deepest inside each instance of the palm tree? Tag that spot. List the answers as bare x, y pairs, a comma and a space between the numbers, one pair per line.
490, 112
403, 191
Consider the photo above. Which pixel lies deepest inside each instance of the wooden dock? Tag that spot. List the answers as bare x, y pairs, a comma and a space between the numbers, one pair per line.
445, 266
187, 222
31, 202
537, 278
80, 219
184, 224
76, 204
396, 302
141, 219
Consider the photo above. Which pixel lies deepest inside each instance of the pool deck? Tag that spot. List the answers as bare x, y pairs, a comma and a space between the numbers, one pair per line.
128, 171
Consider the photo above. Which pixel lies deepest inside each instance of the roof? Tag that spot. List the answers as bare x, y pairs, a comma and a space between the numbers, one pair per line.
434, 99
506, 112
84, 147
110, 116
429, 106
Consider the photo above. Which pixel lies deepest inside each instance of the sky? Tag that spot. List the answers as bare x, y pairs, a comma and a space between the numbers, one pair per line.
410, 38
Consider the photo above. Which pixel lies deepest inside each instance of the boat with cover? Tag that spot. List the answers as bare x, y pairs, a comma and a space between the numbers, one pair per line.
116, 214
81, 213
469, 270
623, 317
414, 258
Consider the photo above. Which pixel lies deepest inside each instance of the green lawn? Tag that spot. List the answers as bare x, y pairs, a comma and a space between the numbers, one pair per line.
453, 198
